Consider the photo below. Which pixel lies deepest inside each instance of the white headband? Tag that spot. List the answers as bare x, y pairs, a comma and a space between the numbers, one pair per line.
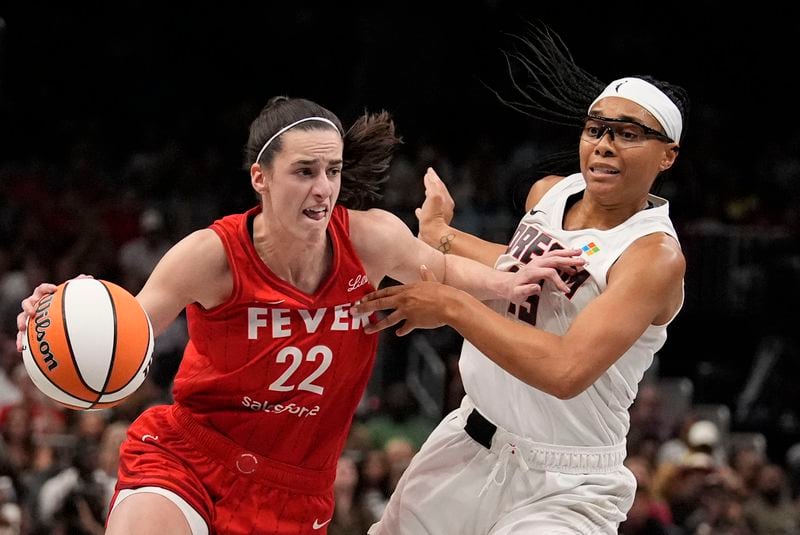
287, 127
650, 98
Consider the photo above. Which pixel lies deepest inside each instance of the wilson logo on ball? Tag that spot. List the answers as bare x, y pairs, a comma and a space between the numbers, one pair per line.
89, 344
42, 322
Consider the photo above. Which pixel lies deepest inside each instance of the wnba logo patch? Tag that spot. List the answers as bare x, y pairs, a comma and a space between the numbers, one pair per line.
590, 248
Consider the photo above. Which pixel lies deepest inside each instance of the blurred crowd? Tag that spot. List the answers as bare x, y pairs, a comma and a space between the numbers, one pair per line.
114, 217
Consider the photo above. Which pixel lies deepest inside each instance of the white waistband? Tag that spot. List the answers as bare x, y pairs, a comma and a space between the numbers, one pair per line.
553, 457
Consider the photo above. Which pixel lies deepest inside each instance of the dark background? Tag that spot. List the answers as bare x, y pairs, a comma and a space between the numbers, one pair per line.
119, 70
126, 77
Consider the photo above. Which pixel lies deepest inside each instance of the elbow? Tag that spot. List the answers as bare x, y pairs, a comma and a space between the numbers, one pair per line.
565, 392
561, 390
578, 369
567, 384
563, 373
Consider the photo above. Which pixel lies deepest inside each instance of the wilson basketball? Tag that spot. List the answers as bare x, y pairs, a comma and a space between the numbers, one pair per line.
89, 344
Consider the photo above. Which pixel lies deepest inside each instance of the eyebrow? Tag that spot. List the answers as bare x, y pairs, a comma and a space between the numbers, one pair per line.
316, 160
625, 118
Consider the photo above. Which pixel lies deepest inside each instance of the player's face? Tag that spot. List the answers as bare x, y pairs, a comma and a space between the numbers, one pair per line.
612, 168
305, 177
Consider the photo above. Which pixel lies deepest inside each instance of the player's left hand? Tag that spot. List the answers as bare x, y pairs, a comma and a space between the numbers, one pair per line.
436, 212
420, 305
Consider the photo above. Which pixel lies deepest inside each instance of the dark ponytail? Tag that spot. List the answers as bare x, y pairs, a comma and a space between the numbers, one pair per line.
369, 146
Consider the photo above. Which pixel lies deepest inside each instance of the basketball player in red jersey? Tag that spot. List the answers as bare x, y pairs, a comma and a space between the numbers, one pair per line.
276, 364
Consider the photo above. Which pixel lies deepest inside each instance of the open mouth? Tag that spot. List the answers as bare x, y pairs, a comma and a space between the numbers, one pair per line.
598, 170
317, 214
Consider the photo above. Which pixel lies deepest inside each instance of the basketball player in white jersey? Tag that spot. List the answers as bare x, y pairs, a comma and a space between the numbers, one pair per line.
538, 444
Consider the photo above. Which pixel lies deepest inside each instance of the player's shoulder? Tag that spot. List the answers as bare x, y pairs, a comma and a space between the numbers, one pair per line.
539, 188
373, 221
657, 249
373, 215
202, 241
377, 234
659, 244
201, 247
194, 270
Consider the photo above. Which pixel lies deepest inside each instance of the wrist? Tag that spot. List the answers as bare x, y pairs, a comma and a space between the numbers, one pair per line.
456, 307
505, 283
439, 237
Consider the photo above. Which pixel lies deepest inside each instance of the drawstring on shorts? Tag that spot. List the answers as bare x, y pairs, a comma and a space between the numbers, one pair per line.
507, 452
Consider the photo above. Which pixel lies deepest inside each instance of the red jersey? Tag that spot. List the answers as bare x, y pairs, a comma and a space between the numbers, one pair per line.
276, 370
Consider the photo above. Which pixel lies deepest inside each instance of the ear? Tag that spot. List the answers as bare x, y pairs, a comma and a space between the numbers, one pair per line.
670, 155
258, 179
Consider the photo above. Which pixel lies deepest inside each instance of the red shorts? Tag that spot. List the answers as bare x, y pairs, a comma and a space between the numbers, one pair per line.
235, 491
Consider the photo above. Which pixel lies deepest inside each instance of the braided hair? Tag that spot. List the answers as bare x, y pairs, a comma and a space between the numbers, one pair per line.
551, 87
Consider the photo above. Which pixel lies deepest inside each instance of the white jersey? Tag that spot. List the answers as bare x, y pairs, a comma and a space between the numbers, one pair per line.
599, 415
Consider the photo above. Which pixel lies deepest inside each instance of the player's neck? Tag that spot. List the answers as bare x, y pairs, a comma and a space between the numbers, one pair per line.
589, 212
302, 262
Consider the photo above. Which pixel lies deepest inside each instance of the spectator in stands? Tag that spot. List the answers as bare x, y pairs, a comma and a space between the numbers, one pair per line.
770, 509
350, 515
138, 257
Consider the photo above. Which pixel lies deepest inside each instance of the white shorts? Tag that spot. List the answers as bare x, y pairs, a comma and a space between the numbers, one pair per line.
456, 485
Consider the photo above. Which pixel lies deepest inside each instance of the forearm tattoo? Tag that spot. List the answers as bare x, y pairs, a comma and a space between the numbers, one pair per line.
445, 243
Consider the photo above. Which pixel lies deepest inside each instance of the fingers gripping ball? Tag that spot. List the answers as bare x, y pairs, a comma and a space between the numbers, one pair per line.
89, 345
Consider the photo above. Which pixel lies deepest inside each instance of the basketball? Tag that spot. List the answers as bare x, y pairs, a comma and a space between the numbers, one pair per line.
89, 344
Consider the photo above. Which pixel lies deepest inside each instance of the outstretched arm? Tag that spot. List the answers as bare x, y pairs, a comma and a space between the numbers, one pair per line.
638, 295
387, 248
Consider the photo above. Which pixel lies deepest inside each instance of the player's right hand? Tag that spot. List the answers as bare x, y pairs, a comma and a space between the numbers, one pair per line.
418, 305
29, 307
437, 210
545, 267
